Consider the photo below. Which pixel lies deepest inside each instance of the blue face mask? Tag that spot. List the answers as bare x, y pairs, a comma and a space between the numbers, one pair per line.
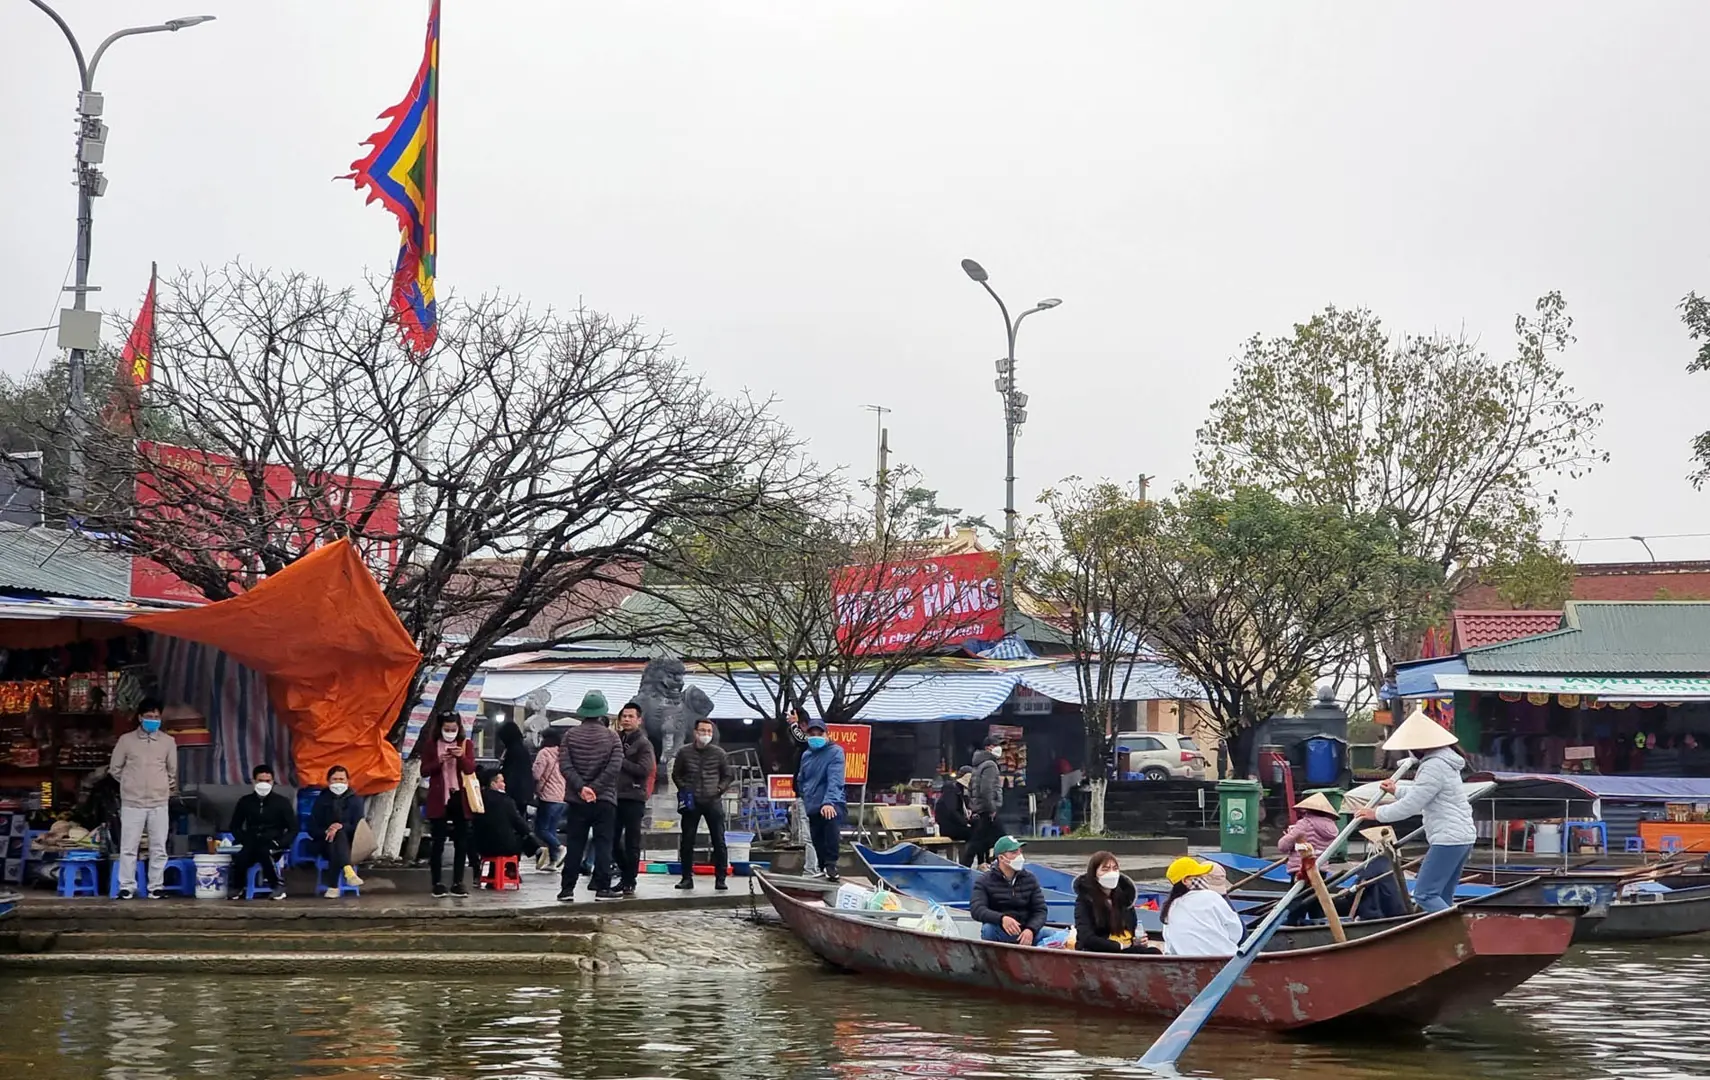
151, 724
817, 741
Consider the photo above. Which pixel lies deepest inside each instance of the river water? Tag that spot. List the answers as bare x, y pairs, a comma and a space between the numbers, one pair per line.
1636, 1012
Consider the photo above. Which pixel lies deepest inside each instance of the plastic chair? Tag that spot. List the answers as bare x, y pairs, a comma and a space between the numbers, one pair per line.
179, 877
80, 876
1672, 844
302, 851
1050, 830
1598, 827
500, 872
142, 878
321, 886
1635, 845
254, 886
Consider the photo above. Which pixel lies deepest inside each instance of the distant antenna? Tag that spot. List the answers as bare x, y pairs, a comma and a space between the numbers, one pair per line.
881, 480
1143, 479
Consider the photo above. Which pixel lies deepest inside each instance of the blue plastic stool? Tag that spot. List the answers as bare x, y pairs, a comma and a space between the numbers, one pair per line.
302, 851
1672, 844
79, 875
255, 887
1635, 845
321, 886
142, 879
1050, 830
179, 876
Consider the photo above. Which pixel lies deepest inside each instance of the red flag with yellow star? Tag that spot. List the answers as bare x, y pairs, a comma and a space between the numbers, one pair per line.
136, 363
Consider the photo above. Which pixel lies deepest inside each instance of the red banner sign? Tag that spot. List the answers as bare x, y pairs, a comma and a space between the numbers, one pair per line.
189, 484
857, 743
780, 787
920, 603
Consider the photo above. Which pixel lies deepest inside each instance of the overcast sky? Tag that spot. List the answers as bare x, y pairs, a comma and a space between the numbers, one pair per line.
787, 188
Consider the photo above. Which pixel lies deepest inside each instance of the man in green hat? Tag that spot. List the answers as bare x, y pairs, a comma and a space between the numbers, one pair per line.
1007, 900
590, 757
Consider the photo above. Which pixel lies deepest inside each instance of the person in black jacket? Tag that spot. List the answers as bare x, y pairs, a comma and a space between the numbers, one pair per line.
634, 785
951, 810
517, 764
1007, 901
332, 823
501, 828
985, 799
1105, 919
263, 823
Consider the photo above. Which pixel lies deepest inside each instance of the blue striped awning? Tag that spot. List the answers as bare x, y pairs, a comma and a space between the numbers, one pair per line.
1146, 681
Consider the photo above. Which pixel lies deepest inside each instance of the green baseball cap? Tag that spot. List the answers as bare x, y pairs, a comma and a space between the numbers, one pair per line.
1005, 845
593, 706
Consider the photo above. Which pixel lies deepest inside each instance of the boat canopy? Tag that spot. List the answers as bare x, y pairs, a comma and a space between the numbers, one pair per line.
1587, 788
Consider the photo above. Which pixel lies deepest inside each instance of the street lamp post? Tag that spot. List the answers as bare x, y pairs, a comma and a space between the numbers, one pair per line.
91, 150
1014, 415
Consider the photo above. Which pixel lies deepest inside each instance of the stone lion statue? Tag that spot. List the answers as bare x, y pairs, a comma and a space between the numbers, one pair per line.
535, 720
669, 710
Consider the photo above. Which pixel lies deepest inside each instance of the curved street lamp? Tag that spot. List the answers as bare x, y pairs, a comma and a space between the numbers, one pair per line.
91, 150
1014, 415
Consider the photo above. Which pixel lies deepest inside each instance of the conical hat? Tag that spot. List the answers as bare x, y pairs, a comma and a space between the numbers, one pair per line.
1419, 732
1378, 834
1316, 801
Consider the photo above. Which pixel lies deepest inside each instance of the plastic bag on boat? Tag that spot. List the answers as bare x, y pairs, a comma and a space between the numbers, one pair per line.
1054, 939
937, 920
883, 900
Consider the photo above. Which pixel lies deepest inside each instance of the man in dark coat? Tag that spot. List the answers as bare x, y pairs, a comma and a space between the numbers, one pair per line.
634, 785
951, 810
590, 758
517, 763
501, 828
333, 822
1008, 903
702, 774
263, 823
985, 799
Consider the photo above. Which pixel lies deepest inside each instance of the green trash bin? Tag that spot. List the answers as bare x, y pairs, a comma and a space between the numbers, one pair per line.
1238, 813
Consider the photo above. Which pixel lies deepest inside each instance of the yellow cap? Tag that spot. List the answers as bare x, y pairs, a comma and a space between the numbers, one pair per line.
1187, 866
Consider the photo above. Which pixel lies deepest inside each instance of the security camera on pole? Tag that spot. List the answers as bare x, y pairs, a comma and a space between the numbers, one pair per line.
1014, 415
80, 328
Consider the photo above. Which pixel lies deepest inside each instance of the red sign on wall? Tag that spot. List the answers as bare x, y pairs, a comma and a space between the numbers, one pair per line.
189, 485
857, 743
920, 603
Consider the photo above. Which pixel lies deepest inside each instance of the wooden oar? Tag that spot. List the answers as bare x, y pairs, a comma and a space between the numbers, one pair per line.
1331, 916
1169, 1047
1260, 874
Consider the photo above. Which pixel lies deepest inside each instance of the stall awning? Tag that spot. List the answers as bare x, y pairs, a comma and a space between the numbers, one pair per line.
1422, 678
1142, 681
1604, 687
510, 687
1634, 789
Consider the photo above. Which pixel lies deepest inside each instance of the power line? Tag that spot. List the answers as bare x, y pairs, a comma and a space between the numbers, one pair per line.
27, 330
1629, 539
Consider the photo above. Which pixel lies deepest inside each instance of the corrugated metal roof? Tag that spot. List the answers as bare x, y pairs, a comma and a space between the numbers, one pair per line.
1476, 628
1610, 637
53, 562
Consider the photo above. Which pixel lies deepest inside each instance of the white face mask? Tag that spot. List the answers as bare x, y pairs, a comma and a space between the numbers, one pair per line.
449, 736
338, 788
702, 740
1018, 862
263, 788
1109, 878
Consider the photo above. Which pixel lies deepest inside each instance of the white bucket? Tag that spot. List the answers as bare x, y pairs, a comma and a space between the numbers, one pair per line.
211, 874
738, 845
1546, 839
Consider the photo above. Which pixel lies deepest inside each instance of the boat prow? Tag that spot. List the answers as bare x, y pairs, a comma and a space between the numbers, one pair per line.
1423, 971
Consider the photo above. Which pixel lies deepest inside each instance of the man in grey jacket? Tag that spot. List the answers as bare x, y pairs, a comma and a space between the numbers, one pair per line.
590, 758
985, 798
145, 763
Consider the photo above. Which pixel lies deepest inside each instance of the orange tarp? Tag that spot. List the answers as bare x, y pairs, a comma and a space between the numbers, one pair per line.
337, 660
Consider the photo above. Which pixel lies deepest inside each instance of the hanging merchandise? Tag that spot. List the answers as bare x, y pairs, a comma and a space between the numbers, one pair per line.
1537, 698
1568, 701
1509, 697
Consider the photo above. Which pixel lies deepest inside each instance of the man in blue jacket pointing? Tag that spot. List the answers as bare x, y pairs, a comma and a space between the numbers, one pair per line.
819, 784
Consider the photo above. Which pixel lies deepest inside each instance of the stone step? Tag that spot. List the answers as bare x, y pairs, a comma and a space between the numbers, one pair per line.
259, 940
554, 965
263, 917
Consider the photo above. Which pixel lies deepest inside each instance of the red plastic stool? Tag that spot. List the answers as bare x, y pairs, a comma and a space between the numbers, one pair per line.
501, 872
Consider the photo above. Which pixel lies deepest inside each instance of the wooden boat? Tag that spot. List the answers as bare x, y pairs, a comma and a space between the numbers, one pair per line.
1426, 970
8, 905
1649, 917
1276, 881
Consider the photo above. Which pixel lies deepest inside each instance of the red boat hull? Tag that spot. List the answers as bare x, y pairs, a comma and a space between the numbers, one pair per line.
1419, 973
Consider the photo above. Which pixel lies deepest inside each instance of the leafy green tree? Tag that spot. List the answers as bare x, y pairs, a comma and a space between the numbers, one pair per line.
1695, 313
1536, 577
1456, 449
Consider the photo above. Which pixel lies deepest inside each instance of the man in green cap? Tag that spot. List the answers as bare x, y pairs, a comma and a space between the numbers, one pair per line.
590, 757
1008, 903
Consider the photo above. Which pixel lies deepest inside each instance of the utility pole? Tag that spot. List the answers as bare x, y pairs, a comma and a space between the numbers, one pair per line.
881, 479
79, 330
1143, 481
1014, 415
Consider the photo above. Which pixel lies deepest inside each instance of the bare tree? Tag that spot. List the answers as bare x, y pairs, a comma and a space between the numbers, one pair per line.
1084, 559
803, 603
529, 456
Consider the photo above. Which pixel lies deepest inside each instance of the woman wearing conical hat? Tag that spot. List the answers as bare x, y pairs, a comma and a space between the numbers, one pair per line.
1436, 795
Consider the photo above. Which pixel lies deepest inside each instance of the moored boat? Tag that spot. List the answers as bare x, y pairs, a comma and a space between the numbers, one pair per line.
1417, 973
8, 905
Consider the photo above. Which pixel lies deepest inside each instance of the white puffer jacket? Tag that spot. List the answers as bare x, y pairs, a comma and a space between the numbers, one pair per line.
1436, 795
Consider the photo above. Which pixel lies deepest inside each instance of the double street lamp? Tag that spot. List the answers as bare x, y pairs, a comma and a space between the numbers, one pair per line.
1014, 416
79, 331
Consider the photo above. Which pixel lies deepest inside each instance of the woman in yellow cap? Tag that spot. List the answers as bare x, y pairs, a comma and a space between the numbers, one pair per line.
1198, 921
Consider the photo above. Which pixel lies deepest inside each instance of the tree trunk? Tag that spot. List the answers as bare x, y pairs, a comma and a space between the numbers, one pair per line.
1095, 806
401, 812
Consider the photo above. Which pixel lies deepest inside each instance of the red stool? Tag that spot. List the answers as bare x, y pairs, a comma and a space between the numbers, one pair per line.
501, 872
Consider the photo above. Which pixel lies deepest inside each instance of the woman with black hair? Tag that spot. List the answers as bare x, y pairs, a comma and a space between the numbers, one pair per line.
1105, 918
446, 760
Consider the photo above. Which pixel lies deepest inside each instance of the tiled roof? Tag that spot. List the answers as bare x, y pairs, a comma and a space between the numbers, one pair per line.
1609, 638
1475, 628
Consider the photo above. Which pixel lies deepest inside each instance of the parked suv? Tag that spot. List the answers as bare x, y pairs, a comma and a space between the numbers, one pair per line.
1160, 755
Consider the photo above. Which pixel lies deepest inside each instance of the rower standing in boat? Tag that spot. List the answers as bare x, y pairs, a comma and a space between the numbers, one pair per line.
1436, 795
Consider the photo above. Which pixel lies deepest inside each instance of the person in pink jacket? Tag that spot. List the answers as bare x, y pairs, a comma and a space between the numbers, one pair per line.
549, 796
1316, 828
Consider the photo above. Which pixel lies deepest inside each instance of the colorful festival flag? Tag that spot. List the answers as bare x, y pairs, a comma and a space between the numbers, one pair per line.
402, 171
